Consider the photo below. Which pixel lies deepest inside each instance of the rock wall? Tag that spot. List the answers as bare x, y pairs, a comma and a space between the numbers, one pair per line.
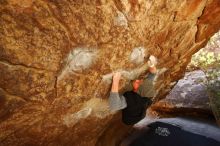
189, 97
57, 59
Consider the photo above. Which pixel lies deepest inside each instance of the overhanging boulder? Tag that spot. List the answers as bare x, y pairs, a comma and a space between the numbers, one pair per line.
56, 60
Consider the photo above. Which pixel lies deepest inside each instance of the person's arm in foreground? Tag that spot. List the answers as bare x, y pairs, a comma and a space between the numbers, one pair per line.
115, 101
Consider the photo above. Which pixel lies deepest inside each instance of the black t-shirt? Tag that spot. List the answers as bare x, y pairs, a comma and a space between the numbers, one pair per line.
136, 108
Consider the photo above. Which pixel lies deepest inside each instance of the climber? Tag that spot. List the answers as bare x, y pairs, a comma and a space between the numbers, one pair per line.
135, 101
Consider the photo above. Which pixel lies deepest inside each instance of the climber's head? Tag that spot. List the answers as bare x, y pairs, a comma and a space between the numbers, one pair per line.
136, 84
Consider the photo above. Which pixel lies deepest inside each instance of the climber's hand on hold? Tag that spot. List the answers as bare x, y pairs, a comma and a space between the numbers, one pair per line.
152, 62
115, 81
116, 77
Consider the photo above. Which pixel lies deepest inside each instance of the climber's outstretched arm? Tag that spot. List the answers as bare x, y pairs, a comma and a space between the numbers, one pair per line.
152, 69
152, 64
115, 101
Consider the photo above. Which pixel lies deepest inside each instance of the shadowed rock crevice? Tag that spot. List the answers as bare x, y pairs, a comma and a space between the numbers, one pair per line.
24, 65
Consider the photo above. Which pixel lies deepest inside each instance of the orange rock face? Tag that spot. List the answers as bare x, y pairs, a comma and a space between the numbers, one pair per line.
57, 59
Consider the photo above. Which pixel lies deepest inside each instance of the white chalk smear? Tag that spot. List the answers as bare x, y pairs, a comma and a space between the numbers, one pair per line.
95, 107
120, 20
71, 119
129, 75
78, 60
137, 55
100, 108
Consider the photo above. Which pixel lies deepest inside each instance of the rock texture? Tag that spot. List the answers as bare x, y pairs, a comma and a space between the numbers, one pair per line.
56, 60
188, 97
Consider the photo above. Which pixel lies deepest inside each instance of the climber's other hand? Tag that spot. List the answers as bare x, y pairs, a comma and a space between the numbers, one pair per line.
152, 61
116, 77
